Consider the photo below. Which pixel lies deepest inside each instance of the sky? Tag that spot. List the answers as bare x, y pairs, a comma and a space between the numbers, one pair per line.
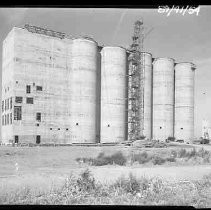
186, 38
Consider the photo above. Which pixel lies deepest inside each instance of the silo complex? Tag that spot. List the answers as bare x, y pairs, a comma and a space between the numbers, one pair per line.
163, 98
147, 95
113, 94
82, 86
184, 101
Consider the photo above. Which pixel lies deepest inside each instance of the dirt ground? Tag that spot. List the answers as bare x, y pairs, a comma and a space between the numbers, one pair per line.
43, 167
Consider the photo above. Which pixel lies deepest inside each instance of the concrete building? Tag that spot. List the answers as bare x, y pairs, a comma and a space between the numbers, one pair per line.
48, 88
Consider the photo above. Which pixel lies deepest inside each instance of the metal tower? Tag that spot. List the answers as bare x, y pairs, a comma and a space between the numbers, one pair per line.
135, 84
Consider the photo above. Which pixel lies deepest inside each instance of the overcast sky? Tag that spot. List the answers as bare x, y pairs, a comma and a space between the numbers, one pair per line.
184, 38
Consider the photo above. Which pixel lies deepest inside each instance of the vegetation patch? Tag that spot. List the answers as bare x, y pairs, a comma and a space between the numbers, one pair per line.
84, 189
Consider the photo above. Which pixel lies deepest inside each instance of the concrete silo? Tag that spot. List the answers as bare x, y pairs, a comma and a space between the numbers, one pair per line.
82, 85
184, 101
163, 98
146, 118
113, 94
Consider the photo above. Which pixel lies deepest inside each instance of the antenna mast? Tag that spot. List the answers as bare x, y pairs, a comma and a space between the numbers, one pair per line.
135, 84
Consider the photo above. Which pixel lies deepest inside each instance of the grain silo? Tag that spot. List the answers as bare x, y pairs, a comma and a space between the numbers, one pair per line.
184, 101
82, 85
113, 94
163, 98
146, 121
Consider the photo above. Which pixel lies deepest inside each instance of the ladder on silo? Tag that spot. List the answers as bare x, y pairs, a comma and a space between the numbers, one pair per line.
135, 84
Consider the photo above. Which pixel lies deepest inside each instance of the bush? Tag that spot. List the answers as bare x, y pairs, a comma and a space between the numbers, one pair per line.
117, 158
156, 160
141, 158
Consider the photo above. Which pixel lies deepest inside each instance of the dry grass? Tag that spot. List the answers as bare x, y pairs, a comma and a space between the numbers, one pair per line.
132, 191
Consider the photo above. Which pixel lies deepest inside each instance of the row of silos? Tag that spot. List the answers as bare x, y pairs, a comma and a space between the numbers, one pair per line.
98, 96
173, 100
99, 88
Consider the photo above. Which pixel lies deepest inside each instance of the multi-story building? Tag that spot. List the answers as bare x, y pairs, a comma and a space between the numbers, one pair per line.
48, 87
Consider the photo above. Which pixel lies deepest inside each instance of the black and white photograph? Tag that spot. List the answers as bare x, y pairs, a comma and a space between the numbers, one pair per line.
105, 106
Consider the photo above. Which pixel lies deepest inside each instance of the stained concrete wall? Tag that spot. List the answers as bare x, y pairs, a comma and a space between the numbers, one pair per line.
39, 60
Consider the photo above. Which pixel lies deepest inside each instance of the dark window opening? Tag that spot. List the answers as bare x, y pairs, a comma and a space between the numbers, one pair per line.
16, 82
67, 129
28, 89
58, 128
11, 103
38, 116
2, 119
16, 139
5, 105
29, 100
5, 123
33, 84
181, 128
108, 125
76, 123
39, 88
2, 106
17, 113
160, 127
50, 128
37, 125
18, 99
38, 139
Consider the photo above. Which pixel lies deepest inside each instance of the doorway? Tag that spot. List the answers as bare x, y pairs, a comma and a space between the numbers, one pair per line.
38, 139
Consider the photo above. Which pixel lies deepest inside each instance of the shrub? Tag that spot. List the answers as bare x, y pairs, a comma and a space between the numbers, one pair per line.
117, 158
171, 159
131, 185
86, 182
141, 158
156, 160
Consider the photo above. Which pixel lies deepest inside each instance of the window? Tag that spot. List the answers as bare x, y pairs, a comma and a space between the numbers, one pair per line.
5, 123
67, 129
11, 103
181, 128
58, 128
29, 100
76, 123
5, 105
28, 89
16, 139
18, 99
16, 82
38, 139
2, 106
39, 88
50, 128
10, 118
8, 122
2, 119
160, 127
37, 125
38, 116
108, 125
17, 113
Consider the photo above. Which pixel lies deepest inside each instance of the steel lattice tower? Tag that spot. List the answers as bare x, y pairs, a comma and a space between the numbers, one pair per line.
135, 86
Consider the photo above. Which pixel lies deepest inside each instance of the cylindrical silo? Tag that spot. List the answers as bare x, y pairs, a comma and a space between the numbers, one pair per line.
82, 85
113, 94
146, 117
163, 98
184, 101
